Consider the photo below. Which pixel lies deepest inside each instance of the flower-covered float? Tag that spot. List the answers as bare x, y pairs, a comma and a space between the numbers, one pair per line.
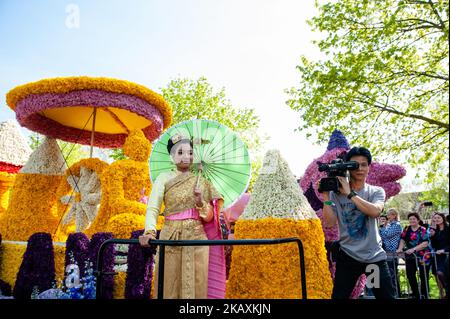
278, 209
381, 174
68, 211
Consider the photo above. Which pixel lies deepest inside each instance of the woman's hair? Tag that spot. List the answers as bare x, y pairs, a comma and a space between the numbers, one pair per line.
171, 144
393, 211
444, 220
415, 215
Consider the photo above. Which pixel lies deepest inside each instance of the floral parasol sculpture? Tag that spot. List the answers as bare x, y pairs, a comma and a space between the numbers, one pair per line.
381, 174
278, 209
92, 111
14, 152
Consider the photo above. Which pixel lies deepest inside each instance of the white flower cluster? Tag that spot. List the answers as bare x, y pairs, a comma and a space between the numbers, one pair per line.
14, 148
46, 159
84, 210
276, 193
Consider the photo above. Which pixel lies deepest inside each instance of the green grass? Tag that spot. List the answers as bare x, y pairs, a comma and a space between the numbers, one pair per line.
433, 287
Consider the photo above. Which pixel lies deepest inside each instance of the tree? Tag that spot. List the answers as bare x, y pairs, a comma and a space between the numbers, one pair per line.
191, 99
437, 192
71, 152
384, 80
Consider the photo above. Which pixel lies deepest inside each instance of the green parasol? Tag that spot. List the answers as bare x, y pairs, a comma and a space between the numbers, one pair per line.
223, 156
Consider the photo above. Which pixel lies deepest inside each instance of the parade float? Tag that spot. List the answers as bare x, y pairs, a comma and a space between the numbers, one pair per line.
278, 209
380, 174
58, 216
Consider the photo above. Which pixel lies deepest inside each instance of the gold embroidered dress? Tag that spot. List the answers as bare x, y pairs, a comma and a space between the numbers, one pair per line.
186, 267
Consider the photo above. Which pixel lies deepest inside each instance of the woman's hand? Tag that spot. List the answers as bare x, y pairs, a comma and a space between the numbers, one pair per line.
144, 240
440, 251
410, 251
198, 198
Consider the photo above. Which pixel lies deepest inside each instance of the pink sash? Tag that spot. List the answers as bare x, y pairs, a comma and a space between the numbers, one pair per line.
216, 267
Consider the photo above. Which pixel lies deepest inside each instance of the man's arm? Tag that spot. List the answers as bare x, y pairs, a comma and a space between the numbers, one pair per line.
367, 208
328, 212
370, 209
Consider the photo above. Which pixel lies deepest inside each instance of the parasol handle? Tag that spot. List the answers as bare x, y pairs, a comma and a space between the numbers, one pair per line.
93, 131
200, 169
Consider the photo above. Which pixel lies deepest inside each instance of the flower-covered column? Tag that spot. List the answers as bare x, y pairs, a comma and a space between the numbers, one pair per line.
37, 271
108, 261
140, 270
278, 209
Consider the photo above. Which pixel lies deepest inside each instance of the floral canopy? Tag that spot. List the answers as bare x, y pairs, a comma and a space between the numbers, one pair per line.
71, 108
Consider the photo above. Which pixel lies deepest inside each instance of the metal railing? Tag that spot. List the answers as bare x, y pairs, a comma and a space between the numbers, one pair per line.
393, 262
394, 258
163, 243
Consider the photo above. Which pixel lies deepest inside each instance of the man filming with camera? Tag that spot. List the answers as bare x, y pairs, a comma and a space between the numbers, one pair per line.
355, 206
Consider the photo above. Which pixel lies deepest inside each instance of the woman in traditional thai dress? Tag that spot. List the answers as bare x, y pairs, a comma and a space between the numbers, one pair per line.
191, 211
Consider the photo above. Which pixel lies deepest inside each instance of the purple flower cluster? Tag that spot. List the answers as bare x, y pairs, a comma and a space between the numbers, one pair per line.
337, 140
37, 268
29, 110
385, 175
108, 261
77, 247
139, 273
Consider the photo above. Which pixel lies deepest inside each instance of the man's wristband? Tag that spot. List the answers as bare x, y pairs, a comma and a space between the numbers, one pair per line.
352, 193
328, 203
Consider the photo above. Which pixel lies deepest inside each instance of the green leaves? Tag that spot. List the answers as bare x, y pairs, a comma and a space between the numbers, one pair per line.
385, 80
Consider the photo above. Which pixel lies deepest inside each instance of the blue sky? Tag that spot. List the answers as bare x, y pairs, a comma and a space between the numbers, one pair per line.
250, 48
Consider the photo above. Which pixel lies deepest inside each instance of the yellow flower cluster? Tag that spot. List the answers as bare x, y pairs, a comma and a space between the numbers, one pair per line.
119, 285
6, 181
277, 268
32, 207
68, 84
123, 225
10, 260
64, 188
60, 259
137, 147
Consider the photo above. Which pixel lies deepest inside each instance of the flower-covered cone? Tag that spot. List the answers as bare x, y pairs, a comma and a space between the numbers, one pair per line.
33, 200
278, 209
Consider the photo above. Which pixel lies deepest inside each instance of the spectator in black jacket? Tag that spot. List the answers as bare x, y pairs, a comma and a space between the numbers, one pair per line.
440, 244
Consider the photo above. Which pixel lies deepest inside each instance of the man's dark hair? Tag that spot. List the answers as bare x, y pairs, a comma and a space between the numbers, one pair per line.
357, 150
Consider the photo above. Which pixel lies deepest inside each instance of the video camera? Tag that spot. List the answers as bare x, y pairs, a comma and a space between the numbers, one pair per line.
336, 168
